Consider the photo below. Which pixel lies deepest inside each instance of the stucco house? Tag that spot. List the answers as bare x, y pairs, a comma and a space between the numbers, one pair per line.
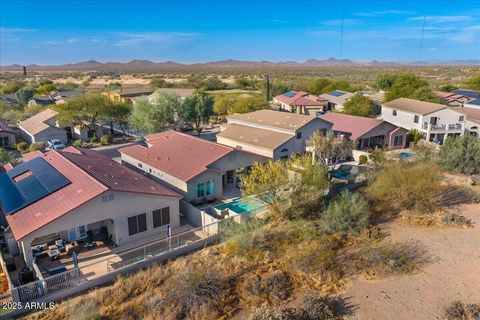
299, 102
336, 99
269, 133
198, 169
72, 193
7, 136
44, 126
127, 94
435, 121
368, 133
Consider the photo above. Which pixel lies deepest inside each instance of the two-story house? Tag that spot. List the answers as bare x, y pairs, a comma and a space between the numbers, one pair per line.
269, 133
435, 121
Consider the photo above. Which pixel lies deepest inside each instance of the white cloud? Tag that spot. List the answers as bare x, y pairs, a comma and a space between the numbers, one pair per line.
135, 39
441, 19
383, 13
338, 22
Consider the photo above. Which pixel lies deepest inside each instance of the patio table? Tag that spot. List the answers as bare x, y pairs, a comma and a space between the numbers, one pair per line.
53, 254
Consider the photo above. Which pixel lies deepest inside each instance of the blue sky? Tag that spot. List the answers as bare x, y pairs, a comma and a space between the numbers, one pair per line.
57, 32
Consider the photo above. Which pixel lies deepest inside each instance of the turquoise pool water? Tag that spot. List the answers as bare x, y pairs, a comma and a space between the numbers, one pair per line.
347, 171
405, 155
242, 205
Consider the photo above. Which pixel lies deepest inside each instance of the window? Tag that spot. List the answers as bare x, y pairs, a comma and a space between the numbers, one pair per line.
77, 233
205, 189
150, 170
140, 165
137, 224
461, 118
161, 217
299, 135
416, 119
394, 112
398, 141
4, 142
107, 197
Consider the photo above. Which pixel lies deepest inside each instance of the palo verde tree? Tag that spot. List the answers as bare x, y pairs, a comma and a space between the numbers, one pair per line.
84, 110
117, 112
359, 105
196, 109
24, 95
461, 155
7, 157
153, 116
329, 149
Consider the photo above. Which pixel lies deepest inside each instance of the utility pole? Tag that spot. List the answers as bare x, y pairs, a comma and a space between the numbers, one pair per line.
341, 37
421, 39
267, 79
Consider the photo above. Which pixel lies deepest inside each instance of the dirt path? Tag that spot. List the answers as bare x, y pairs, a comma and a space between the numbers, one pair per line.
454, 275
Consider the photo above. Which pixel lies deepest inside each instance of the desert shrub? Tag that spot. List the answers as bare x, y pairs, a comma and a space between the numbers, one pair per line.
242, 239
275, 313
37, 146
105, 140
277, 285
473, 311
402, 186
348, 213
456, 220
84, 310
318, 307
391, 258
77, 143
258, 288
93, 139
459, 311
461, 155
362, 159
22, 146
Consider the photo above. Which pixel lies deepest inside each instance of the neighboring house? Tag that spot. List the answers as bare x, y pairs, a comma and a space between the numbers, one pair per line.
452, 99
10, 98
299, 102
472, 120
336, 99
378, 97
198, 169
44, 126
51, 98
473, 104
435, 121
77, 191
182, 93
7, 136
368, 133
269, 133
471, 94
63, 96
127, 95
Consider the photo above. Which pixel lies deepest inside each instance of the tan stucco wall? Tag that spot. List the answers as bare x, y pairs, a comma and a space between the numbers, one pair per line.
123, 206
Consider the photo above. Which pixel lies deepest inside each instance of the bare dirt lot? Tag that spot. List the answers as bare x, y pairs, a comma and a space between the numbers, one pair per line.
453, 275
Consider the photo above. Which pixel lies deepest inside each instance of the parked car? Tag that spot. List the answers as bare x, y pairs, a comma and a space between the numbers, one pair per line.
56, 144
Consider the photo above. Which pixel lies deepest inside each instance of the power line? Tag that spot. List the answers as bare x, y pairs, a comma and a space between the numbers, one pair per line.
421, 40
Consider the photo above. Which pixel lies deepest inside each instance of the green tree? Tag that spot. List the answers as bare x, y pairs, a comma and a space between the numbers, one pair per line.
414, 136
330, 149
157, 82
196, 109
461, 155
243, 83
426, 94
114, 86
223, 103
24, 95
153, 116
117, 113
384, 81
214, 83
359, 105
67, 86
342, 85
83, 110
473, 83
404, 86
250, 104
348, 213
448, 88
317, 86
7, 157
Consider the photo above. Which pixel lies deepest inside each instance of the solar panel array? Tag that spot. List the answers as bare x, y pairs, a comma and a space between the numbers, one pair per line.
475, 102
337, 93
43, 180
289, 94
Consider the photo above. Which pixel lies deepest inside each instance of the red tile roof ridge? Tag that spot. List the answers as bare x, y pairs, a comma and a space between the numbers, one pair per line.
186, 135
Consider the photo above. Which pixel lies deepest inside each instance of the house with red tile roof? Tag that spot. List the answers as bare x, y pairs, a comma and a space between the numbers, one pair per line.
198, 169
368, 133
299, 102
74, 194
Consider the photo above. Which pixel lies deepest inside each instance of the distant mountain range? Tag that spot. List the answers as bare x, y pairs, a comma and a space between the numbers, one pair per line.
150, 66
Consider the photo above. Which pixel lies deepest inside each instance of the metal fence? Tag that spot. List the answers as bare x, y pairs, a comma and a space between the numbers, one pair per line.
37, 289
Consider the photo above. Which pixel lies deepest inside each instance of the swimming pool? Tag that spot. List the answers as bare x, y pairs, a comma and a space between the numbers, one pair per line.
347, 171
405, 155
242, 205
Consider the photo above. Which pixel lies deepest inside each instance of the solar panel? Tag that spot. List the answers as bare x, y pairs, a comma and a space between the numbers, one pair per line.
475, 102
20, 189
289, 94
337, 93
